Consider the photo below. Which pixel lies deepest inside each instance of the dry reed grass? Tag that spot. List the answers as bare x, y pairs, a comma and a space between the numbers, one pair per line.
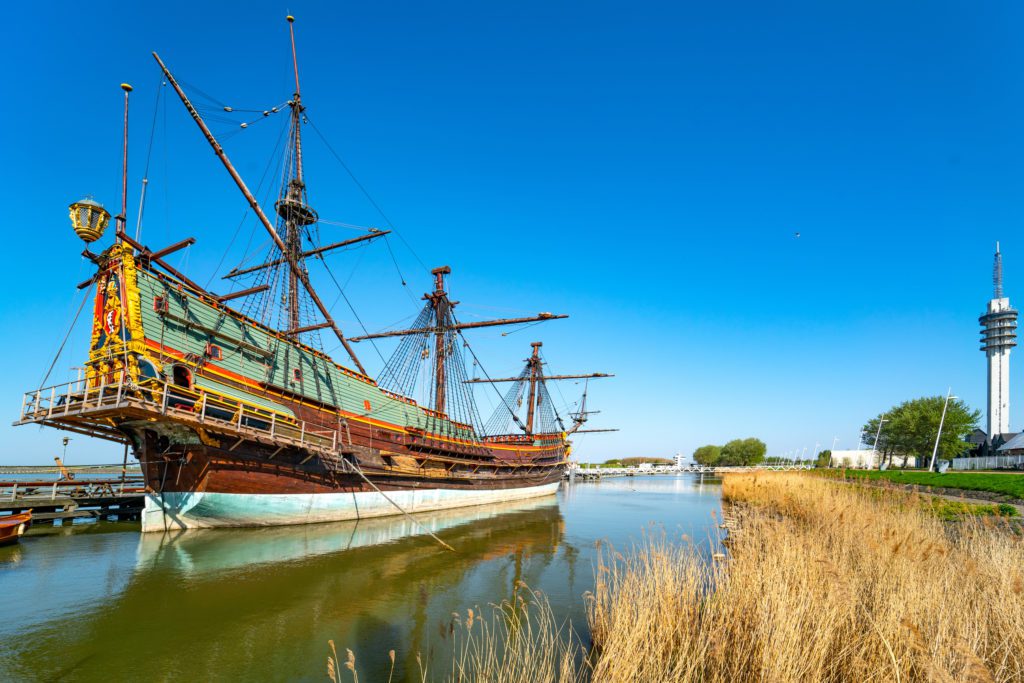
519, 641
823, 582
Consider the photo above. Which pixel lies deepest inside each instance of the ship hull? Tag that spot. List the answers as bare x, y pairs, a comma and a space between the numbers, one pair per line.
176, 510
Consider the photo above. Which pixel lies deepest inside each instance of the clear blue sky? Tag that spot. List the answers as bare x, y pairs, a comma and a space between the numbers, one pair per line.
641, 166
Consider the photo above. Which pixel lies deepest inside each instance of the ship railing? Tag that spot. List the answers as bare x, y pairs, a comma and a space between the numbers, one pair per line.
199, 407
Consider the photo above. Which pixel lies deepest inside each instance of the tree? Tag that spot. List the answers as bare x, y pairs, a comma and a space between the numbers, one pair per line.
633, 462
911, 427
743, 452
707, 456
824, 458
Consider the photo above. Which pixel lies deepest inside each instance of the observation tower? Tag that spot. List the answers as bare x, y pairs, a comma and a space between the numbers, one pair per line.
998, 336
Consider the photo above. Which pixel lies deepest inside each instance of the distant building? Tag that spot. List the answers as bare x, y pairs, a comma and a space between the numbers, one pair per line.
1013, 446
867, 458
998, 336
858, 459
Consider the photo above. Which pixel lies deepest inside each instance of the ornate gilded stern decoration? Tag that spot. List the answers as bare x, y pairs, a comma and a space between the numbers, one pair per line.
117, 336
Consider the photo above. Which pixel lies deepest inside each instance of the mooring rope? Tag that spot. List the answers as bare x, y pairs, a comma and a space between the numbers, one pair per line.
355, 468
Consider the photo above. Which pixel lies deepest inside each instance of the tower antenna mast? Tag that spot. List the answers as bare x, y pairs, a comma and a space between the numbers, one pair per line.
997, 273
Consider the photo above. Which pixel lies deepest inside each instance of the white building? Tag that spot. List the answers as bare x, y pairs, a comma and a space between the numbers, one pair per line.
998, 336
859, 459
867, 458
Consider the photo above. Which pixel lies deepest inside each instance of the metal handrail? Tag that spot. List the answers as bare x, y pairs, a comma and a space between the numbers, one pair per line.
163, 397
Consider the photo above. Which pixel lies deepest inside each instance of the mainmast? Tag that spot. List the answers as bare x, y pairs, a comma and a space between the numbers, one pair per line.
442, 311
536, 372
441, 324
292, 208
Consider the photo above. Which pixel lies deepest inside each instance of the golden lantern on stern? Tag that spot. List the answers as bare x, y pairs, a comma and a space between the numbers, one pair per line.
89, 219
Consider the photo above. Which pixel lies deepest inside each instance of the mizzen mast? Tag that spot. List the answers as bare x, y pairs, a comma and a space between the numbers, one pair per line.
534, 375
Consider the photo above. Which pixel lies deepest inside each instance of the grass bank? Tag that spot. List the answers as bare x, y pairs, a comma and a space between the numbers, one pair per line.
1011, 485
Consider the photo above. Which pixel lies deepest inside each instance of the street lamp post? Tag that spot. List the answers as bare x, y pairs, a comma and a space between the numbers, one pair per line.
831, 453
878, 434
935, 451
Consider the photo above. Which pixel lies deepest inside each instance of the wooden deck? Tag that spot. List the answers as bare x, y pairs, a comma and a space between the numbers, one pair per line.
73, 499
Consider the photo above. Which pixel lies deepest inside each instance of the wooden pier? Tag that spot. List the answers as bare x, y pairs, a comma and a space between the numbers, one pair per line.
70, 499
576, 471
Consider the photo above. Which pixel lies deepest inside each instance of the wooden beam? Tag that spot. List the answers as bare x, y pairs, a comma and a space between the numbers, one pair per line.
461, 326
157, 255
145, 253
593, 375
308, 328
312, 252
243, 292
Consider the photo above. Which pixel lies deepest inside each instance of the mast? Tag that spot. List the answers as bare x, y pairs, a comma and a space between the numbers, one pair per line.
293, 208
293, 263
443, 322
122, 219
442, 306
535, 376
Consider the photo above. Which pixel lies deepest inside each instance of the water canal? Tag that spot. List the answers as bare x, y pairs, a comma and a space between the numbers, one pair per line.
102, 602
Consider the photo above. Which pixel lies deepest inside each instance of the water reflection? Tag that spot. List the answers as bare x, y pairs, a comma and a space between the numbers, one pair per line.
206, 550
261, 603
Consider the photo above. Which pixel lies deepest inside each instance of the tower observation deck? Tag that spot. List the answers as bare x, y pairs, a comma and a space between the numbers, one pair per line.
998, 336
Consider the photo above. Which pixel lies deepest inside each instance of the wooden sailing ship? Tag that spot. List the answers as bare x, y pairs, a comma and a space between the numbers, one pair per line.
238, 421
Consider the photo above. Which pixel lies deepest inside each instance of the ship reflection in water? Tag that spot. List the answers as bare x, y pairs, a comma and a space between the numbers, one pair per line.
260, 604
197, 552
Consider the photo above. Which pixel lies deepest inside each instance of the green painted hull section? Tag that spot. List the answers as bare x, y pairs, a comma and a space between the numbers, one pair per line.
255, 353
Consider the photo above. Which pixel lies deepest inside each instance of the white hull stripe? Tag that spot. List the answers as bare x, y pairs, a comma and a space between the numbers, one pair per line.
200, 510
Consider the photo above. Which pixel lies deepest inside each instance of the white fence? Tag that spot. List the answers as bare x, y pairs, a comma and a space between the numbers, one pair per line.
989, 462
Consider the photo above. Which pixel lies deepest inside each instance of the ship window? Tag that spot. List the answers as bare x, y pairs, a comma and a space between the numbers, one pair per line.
147, 370
160, 304
214, 352
297, 375
181, 376
366, 404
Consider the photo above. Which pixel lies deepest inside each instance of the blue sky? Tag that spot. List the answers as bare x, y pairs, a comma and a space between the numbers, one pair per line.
643, 167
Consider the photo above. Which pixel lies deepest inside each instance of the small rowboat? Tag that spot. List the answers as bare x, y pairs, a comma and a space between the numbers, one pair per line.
13, 526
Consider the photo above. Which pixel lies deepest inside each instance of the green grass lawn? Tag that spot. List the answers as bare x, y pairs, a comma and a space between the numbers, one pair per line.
1007, 484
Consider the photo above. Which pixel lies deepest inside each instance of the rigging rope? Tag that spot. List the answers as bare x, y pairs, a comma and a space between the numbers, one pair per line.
350, 306
60, 350
367, 195
355, 468
245, 214
149, 156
